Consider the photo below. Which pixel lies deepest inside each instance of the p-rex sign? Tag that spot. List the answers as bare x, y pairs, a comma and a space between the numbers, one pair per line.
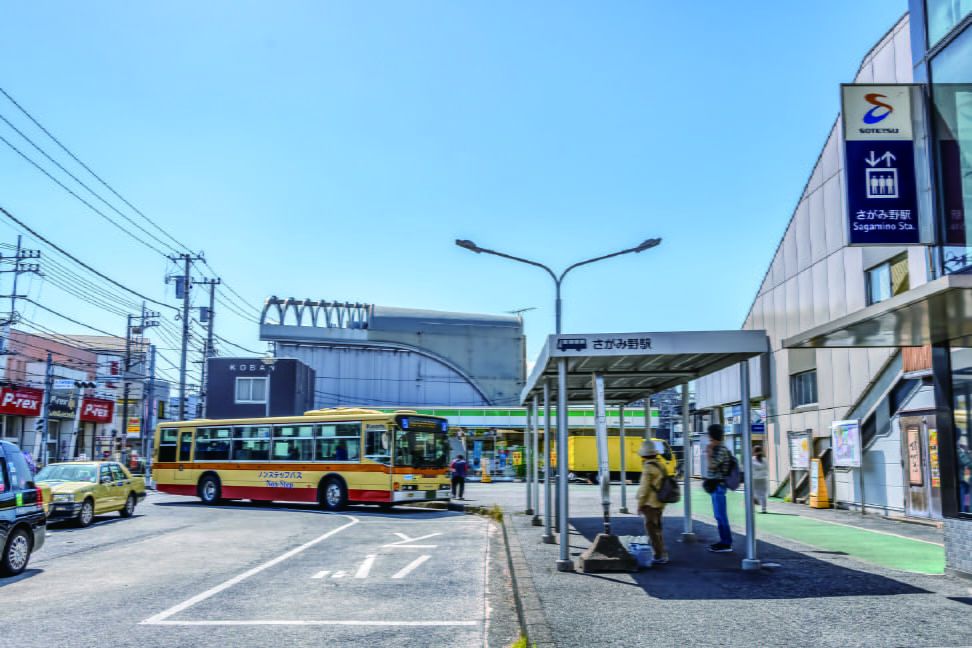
97, 410
24, 401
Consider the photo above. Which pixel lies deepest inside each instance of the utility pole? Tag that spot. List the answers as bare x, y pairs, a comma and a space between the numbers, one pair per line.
44, 427
206, 317
183, 286
146, 320
148, 426
19, 268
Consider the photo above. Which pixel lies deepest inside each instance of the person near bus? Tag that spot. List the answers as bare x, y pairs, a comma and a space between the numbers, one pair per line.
459, 469
720, 465
650, 507
760, 478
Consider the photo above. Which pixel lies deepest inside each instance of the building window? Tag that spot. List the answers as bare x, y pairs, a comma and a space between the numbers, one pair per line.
888, 279
942, 15
951, 78
961, 360
251, 390
803, 389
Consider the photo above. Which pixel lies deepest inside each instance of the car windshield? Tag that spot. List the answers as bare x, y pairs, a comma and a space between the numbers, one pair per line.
68, 473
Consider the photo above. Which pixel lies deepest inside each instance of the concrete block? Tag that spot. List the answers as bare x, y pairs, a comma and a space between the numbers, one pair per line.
607, 554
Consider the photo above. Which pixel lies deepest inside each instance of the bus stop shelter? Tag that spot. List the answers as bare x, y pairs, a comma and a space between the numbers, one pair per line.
619, 369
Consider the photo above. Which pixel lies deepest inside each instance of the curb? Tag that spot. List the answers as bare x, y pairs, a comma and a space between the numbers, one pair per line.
529, 609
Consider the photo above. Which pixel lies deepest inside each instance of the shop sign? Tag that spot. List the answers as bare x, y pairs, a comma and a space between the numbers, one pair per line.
97, 410
879, 165
63, 403
915, 473
23, 401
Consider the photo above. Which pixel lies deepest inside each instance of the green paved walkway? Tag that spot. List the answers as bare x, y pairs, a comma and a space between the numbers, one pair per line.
872, 546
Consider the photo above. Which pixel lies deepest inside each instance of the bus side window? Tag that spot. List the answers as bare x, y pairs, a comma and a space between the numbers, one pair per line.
376, 445
185, 446
168, 442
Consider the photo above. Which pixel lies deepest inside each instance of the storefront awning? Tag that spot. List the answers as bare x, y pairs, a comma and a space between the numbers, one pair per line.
937, 311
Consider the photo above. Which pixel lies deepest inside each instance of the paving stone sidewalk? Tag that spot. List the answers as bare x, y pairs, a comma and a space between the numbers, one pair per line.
815, 597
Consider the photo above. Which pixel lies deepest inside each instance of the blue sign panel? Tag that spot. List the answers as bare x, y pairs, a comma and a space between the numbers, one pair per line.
757, 428
882, 199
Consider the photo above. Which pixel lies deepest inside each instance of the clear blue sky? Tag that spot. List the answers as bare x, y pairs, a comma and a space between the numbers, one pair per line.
334, 150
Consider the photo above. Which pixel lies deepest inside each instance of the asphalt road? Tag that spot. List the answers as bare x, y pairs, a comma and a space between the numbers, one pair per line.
183, 574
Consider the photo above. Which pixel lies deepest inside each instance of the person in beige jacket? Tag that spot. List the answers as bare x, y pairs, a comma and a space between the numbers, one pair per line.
652, 472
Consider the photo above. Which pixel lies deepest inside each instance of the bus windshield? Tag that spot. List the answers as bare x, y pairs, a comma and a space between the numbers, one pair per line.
420, 449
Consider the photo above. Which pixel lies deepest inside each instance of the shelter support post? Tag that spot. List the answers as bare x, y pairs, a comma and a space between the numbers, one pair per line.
687, 534
564, 563
535, 463
548, 536
750, 562
647, 417
603, 460
528, 461
623, 452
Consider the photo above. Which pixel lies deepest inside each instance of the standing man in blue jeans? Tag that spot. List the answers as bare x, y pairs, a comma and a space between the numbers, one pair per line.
459, 469
720, 464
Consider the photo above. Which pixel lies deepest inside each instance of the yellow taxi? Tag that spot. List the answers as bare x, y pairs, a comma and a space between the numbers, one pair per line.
80, 490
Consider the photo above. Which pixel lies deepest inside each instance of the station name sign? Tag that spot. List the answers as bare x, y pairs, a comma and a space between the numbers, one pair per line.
665, 343
879, 164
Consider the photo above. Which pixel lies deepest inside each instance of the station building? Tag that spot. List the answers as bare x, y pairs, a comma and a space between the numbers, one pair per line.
880, 335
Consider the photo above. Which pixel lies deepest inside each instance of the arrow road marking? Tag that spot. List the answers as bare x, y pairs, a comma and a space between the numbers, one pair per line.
321, 574
405, 540
365, 567
410, 567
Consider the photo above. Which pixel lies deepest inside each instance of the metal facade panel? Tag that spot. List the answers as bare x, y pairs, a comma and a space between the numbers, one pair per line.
792, 289
765, 305
779, 331
860, 372
782, 382
826, 417
801, 228
833, 206
842, 378
790, 265
776, 268
903, 71
883, 64
829, 159
805, 297
917, 266
877, 357
825, 378
865, 75
817, 223
821, 300
816, 179
854, 279
836, 289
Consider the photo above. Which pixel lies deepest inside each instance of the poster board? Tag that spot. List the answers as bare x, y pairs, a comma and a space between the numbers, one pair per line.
916, 475
845, 439
799, 451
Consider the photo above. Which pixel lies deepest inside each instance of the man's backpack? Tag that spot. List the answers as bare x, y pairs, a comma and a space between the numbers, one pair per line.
668, 492
735, 475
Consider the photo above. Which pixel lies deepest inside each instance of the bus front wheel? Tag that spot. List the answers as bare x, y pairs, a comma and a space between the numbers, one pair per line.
210, 490
334, 496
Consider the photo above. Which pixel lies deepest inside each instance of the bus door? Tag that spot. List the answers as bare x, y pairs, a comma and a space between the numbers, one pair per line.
184, 472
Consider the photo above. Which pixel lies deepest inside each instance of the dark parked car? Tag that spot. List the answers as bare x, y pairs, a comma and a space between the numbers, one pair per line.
22, 519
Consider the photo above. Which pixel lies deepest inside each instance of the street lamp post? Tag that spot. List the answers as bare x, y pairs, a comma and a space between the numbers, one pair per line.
564, 563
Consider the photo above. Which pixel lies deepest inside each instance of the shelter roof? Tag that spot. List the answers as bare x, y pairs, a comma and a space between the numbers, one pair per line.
638, 364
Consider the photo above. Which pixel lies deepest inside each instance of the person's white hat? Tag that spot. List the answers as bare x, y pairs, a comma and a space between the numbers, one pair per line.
650, 449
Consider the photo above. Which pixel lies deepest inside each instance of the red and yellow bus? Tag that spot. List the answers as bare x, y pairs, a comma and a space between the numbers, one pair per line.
333, 457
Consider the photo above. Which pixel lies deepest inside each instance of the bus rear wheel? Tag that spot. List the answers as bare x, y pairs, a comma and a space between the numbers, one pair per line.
334, 496
210, 490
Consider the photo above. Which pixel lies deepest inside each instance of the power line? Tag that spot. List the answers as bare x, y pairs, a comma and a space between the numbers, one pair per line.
82, 263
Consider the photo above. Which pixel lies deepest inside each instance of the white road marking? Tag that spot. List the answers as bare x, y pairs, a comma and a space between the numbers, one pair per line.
411, 566
318, 622
405, 540
321, 574
365, 567
236, 579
